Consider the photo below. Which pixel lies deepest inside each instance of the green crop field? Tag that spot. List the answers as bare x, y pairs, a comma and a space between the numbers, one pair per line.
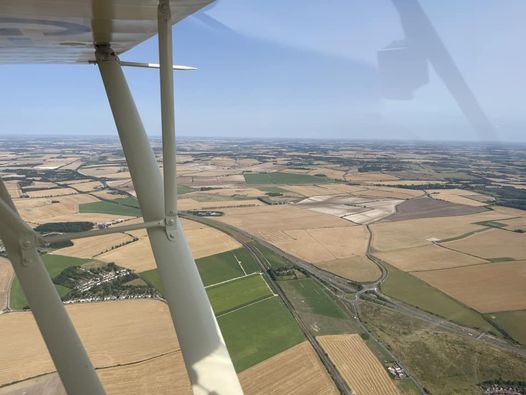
274, 260
113, 207
512, 322
214, 269
413, 291
55, 264
259, 331
237, 293
152, 277
217, 268
315, 296
317, 308
247, 260
283, 178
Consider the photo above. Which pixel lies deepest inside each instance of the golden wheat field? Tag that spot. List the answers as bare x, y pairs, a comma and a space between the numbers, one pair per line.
296, 371
361, 370
113, 333
490, 287
93, 246
428, 257
203, 241
494, 243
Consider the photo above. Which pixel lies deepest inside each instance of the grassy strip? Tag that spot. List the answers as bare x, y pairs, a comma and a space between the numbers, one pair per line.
411, 290
113, 207
315, 296
511, 322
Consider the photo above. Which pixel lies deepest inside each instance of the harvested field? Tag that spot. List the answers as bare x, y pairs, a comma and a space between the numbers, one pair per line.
357, 268
460, 196
369, 176
428, 257
93, 246
296, 371
141, 329
515, 224
492, 244
362, 371
318, 238
6, 275
113, 172
51, 192
43, 209
107, 194
324, 244
13, 189
203, 241
191, 204
429, 208
330, 173
357, 210
417, 232
88, 186
268, 220
388, 193
165, 374
486, 288
321, 190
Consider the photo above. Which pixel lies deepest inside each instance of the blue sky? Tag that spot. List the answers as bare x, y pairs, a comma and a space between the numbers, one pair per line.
293, 68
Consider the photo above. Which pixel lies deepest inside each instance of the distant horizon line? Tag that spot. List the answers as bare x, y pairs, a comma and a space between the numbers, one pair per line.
24, 136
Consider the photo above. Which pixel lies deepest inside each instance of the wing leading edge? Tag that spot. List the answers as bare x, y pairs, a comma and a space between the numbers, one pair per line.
66, 31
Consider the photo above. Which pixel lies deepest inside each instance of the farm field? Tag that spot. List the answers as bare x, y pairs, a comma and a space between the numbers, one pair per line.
93, 246
283, 178
238, 293
54, 265
267, 329
418, 232
425, 207
44, 209
203, 241
51, 192
226, 266
460, 196
296, 371
486, 288
24, 354
427, 257
415, 292
6, 274
316, 307
324, 240
110, 207
493, 244
513, 323
363, 373
431, 353
87, 186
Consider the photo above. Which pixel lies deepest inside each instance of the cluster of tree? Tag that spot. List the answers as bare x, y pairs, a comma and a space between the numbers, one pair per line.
65, 227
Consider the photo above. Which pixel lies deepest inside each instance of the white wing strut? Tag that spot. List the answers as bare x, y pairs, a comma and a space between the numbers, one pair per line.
204, 351
69, 356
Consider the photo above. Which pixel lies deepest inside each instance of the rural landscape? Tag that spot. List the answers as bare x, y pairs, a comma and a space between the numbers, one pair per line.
333, 267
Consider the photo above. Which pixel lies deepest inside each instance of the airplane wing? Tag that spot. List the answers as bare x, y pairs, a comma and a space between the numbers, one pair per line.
66, 31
